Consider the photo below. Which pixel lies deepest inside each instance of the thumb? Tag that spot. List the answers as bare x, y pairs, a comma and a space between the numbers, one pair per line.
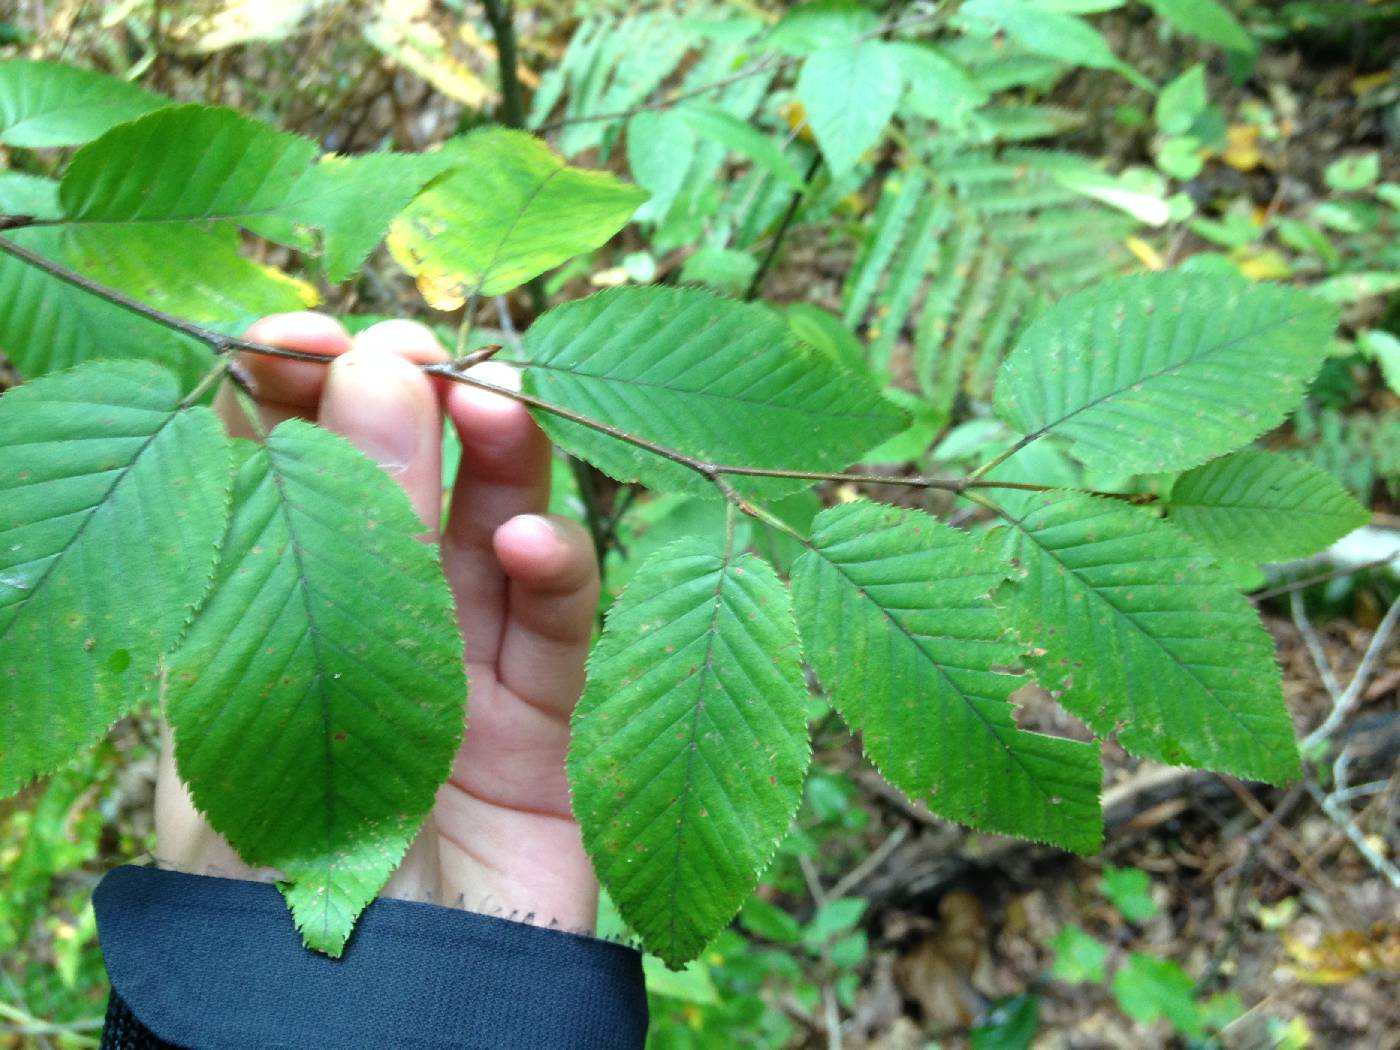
389, 410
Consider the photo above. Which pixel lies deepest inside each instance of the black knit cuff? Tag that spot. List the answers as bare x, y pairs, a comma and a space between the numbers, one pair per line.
205, 962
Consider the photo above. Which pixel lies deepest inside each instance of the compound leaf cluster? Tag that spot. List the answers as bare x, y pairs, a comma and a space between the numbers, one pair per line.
304, 635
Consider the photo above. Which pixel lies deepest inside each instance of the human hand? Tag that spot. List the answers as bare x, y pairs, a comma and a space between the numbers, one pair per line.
500, 838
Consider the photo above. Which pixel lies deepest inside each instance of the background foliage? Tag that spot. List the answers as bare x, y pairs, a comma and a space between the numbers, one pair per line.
1027, 159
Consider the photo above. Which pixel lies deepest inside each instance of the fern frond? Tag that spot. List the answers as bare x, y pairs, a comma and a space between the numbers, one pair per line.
962, 254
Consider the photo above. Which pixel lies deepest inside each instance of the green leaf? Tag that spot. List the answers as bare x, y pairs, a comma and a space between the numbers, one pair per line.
1079, 958
152, 207
196, 274
1063, 37
1160, 372
1354, 287
716, 379
1136, 632
1383, 348
833, 918
895, 619
1148, 988
823, 330
660, 147
143, 189
112, 502
1182, 101
317, 697
769, 921
45, 104
1010, 1025
353, 199
690, 743
849, 93
1261, 506
511, 210
47, 325
30, 195
820, 24
184, 164
723, 269
1130, 891
1206, 19
711, 122
939, 88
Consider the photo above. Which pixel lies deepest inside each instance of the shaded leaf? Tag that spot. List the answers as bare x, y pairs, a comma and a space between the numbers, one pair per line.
1079, 958
1137, 633
316, 699
1207, 19
511, 210
1148, 988
112, 502
47, 325
1162, 371
660, 147
47, 104
719, 380
1262, 506
713, 123
690, 743
849, 93
894, 614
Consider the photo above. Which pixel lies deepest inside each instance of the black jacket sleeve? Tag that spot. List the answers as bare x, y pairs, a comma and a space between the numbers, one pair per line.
213, 963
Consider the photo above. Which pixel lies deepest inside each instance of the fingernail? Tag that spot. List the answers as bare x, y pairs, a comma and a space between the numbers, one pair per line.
369, 398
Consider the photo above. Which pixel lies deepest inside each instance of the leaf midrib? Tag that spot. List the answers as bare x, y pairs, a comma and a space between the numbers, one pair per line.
716, 602
943, 674
614, 382
317, 682
1124, 615
1158, 374
92, 513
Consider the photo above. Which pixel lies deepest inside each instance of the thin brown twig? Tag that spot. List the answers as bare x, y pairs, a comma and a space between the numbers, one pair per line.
454, 371
1326, 577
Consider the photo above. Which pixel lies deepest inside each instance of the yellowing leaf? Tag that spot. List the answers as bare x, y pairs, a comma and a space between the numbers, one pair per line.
1344, 955
1242, 147
510, 210
1145, 253
1267, 264
1370, 82
796, 116
304, 290
242, 21
404, 31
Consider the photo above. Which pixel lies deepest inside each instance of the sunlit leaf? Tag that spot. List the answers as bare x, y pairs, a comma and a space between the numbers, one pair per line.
511, 210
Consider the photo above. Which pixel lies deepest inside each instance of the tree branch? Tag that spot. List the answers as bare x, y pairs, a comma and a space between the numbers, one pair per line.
501, 15
794, 205
457, 372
